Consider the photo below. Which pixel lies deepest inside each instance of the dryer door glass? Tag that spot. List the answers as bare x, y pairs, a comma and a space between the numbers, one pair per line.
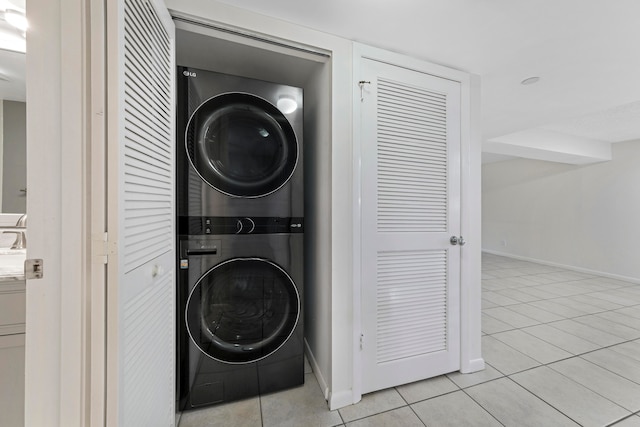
241, 145
242, 310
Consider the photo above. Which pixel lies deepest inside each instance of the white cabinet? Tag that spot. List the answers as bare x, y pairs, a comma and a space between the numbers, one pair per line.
12, 323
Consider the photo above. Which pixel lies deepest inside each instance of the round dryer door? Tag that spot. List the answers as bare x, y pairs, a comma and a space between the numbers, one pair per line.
241, 145
242, 310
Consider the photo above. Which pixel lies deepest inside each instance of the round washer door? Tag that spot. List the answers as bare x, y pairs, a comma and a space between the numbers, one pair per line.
242, 310
241, 145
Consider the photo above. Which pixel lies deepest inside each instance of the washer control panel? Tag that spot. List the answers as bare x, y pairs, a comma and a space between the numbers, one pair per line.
195, 225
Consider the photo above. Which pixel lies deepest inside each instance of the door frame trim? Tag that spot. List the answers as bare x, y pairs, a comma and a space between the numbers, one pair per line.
59, 369
470, 154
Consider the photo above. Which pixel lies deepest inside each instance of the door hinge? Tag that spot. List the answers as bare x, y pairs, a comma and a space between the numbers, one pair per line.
361, 83
101, 248
33, 269
361, 341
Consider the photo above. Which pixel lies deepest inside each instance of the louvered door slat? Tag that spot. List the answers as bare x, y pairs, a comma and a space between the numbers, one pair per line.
142, 174
395, 288
409, 166
143, 108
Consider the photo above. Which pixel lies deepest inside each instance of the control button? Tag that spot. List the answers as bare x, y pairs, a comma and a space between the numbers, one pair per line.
249, 225
245, 226
207, 230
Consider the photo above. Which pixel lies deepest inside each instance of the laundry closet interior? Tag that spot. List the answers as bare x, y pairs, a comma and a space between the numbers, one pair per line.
241, 64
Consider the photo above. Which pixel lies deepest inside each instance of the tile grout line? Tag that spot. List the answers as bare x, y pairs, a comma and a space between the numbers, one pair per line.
407, 404
543, 400
480, 404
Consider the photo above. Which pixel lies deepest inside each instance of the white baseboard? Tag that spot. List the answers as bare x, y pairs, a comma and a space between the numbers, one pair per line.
568, 267
335, 400
474, 365
316, 370
341, 399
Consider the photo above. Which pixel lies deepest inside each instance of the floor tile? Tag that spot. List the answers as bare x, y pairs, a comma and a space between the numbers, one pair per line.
596, 302
421, 390
533, 347
539, 293
542, 279
453, 410
507, 272
514, 406
616, 362
534, 269
398, 417
372, 404
523, 282
630, 294
630, 349
494, 285
621, 318
606, 282
587, 332
563, 289
633, 421
298, 406
571, 302
517, 295
488, 304
567, 276
630, 311
491, 325
535, 313
498, 299
561, 339
607, 384
504, 358
607, 326
467, 380
572, 399
235, 414
510, 317
559, 309
613, 297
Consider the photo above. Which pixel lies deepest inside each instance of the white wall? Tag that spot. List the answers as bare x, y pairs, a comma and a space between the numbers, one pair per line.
317, 300
14, 156
585, 217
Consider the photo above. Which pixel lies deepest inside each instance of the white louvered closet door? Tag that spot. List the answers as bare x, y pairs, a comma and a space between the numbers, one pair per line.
410, 209
141, 227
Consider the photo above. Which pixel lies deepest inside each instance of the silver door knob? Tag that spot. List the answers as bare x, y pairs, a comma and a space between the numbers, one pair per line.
455, 240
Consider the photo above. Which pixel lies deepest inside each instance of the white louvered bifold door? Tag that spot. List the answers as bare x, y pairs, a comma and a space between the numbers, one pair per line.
410, 127
141, 225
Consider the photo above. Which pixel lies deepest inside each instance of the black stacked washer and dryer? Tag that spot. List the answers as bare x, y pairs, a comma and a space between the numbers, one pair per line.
240, 237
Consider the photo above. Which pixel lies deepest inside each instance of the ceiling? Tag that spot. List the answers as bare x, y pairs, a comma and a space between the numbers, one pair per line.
584, 51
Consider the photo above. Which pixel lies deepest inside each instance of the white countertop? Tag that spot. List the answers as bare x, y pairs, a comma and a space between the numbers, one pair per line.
12, 264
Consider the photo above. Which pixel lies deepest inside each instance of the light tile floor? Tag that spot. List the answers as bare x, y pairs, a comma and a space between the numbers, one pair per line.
562, 349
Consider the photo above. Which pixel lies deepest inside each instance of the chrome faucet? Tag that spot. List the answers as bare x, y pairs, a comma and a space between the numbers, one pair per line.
21, 238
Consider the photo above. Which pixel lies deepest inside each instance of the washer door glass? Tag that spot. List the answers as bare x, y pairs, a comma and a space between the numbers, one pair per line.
241, 145
242, 310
